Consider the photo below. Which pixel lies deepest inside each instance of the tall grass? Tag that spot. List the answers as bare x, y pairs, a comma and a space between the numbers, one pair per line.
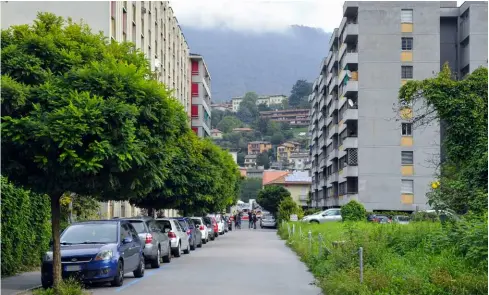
418, 258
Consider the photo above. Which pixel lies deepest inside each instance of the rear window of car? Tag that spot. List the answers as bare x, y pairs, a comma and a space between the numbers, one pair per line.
165, 224
138, 226
183, 223
197, 221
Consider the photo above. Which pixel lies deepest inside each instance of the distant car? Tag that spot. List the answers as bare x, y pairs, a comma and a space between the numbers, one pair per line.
97, 251
401, 219
192, 231
156, 242
209, 223
220, 223
204, 232
179, 239
324, 216
268, 221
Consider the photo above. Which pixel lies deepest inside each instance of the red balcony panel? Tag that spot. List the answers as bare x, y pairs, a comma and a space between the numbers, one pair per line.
196, 130
195, 89
195, 110
195, 67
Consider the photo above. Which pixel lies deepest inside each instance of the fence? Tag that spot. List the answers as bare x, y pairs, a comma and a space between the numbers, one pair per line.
320, 248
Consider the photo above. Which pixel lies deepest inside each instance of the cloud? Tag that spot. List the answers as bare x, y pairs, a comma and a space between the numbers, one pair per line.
258, 16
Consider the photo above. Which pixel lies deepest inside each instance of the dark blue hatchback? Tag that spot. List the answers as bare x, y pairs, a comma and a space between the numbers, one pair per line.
97, 251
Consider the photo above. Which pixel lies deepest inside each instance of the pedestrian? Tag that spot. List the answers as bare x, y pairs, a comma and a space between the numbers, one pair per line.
254, 220
250, 219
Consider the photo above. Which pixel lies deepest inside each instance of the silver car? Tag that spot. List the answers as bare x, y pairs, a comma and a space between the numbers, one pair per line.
156, 242
268, 221
324, 216
200, 224
179, 239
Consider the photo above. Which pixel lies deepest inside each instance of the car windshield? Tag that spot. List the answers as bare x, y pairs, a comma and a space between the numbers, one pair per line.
90, 233
138, 226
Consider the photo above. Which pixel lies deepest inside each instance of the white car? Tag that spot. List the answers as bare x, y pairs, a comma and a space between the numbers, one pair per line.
179, 239
220, 222
324, 216
204, 231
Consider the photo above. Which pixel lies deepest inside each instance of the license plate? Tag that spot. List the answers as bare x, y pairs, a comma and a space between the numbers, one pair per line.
72, 267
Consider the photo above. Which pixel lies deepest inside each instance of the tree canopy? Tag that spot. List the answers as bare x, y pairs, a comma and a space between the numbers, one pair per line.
299, 94
271, 196
462, 108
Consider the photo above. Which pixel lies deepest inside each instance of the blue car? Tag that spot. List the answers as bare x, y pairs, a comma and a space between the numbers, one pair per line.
195, 237
97, 251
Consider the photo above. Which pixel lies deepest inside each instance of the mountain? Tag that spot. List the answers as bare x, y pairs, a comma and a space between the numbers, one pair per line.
266, 63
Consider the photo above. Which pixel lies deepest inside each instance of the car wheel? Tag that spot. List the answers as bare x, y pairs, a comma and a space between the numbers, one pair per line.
139, 272
156, 263
200, 244
178, 252
314, 222
204, 241
213, 237
192, 247
187, 251
167, 257
119, 278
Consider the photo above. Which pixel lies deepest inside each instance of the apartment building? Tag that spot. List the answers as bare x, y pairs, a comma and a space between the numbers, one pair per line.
285, 149
359, 151
250, 161
201, 96
295, 117
150, 25
268, 100
258, 147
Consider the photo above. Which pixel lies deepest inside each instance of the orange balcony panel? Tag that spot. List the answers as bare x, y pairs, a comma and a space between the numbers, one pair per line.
407, 199
406, 56
407, 170
407, 141
407, 28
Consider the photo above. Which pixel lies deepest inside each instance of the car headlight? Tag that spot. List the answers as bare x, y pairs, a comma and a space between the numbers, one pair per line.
104, 255
48, 257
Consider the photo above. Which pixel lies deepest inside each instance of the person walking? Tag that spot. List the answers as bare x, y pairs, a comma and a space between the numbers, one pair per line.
255, 218
250, 219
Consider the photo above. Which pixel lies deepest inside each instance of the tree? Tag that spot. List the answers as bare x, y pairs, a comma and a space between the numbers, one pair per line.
271, 196
278, 138
241, 158
228, 123
248, 110
263, 160
82, 116
461, 106
288, 207
300, 92
251, 96
273, 128
249, 189
353, 211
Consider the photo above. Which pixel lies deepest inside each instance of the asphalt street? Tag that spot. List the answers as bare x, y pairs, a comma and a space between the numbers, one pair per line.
240, 262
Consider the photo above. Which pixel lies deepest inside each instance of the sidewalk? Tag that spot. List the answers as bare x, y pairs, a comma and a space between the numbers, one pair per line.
21, 282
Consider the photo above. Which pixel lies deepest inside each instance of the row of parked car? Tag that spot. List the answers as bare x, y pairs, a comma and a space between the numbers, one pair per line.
106, 250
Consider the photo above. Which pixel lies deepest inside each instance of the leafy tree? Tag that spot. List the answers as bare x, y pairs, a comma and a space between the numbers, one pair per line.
278, 138
251, 96
228, 123
284, 126
82, 116
300, 92
461, 106
249, 189
288, 134
216, 117
241, 158
289, 207
271, 196
248, 110
263, 160
273, 128
353, 211
262, 125
263, 108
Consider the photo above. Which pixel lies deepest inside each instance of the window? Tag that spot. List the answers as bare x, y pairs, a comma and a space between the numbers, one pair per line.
407, 43
195, 89
407, 16
407, 158
407, 186
406, 72
407, 129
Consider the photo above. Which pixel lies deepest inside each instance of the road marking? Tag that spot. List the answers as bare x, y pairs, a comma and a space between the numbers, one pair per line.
147, 274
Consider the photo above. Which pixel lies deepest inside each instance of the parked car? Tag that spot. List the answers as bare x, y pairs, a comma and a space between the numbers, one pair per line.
211, 224
268, 221
179, 240
376, 218
400, 219
156, 242
230, 220
192, 231
324, 216
97, 251
220, 223
204, 232
227, 223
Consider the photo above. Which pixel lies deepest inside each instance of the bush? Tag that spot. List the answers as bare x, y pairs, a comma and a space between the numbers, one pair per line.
353, 211
310, 211
26, 228
66, 287
288, 207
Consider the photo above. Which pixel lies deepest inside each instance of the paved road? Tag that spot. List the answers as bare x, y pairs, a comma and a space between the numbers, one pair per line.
240, 262
22, 282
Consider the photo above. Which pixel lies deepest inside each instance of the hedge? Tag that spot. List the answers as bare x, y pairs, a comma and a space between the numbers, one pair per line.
26, 228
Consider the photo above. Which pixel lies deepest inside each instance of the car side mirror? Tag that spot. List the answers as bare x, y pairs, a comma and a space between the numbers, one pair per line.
127, 240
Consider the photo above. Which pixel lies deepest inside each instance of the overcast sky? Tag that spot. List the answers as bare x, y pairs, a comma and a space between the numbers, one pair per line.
259, 15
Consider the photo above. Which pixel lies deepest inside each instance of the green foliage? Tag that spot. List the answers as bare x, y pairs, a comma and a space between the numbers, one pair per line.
263, 159
299, 94
288, 207
228, 123
26, 229
417, 258
311, 211
248, 111
271, 196
353, 211
66, 287
461, 105
249, 189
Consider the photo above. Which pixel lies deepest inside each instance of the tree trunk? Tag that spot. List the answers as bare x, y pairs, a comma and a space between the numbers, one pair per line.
55, 225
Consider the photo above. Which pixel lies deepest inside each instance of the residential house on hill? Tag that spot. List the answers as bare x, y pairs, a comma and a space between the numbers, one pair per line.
250, 161
298, 183
258, 147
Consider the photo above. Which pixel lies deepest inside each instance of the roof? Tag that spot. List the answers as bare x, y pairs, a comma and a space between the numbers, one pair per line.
243, 129
271, 175
264, 142
296, 177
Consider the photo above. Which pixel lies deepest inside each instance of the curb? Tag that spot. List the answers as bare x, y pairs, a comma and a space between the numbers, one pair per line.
27, 290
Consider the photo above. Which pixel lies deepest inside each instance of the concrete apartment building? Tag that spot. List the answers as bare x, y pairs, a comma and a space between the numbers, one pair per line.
295, 117
201, 96
268, 100
151, 25
358, 150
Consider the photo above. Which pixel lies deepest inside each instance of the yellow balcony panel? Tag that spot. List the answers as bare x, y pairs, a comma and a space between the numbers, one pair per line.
340, 172
406, 56
407, 141
407, 170
354, 76
407, 28
340, 148
406, 113
407, 198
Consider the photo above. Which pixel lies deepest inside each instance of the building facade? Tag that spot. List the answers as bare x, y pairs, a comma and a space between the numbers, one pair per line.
250, 161
359, 151
201, 96
268, 100
150, 25
295, 117
258, 147
299, 161
298, 183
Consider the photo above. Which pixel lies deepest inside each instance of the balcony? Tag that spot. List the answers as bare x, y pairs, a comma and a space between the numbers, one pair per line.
350, 88
320, 82
350, 114
350, 171
350, 33
350, 143
333, 61
333, 130
322, 163
333, 177
333, 154
334, 84
333, 108
350, 58
345, 199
